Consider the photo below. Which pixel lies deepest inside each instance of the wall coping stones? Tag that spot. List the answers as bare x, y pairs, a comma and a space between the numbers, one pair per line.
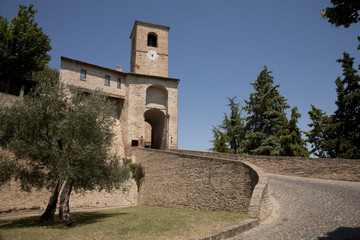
260, 193
230, 231
320, 168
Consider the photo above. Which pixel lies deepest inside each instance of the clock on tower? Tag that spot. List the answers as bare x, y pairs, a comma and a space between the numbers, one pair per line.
149, 49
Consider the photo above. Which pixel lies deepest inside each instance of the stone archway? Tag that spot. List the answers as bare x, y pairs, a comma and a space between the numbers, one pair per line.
156, 97
156, 119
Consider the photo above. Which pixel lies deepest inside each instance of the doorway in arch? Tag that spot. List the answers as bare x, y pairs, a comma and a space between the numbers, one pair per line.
155, 123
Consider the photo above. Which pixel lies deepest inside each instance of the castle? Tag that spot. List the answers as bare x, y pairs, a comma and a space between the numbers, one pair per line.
145, 98
146, 114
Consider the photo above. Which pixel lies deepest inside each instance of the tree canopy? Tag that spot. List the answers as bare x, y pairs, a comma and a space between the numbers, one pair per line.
344, 135
220, 142
265, 116
291, 141
233, 130
342, 12
269, 132
338, 135
317, 135
24, 48
265, 130
60, 138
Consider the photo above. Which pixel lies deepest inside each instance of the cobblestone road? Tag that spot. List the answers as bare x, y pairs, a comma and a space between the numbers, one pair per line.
310, 209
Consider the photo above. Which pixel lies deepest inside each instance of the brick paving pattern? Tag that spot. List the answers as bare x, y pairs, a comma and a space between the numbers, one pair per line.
311, 209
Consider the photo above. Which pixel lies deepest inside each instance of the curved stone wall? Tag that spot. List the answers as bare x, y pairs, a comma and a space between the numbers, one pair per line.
323, 168
189, 181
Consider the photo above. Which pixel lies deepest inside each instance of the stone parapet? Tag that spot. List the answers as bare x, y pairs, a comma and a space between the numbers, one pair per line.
260, 206
322, 168
196, 182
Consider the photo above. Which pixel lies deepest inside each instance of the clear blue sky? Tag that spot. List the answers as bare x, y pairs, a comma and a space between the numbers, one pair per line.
216, 49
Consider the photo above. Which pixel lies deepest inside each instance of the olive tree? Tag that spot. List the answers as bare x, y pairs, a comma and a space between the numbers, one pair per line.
60, 139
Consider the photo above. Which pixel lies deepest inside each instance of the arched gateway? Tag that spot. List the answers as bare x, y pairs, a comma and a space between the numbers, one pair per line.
155, 116
157, 121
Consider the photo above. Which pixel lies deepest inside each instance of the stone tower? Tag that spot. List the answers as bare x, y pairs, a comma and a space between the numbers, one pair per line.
149, 49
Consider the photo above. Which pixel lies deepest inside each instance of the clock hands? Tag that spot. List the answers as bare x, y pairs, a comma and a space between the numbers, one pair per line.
152, 55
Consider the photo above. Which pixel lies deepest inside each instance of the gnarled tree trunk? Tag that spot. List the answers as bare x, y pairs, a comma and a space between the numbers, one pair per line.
64, 209
48, 215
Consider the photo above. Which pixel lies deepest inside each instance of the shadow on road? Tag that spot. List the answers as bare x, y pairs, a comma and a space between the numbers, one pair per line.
343, 233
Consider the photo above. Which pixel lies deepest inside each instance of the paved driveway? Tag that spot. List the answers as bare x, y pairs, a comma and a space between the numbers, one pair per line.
310, 209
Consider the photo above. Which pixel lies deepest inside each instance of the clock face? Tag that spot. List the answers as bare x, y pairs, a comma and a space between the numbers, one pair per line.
152, 55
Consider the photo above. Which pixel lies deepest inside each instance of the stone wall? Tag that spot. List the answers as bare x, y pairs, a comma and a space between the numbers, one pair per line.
13, 199
195, 182
94, 77
323, 168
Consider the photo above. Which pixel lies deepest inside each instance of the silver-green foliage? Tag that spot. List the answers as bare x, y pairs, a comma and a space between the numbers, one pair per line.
56, 135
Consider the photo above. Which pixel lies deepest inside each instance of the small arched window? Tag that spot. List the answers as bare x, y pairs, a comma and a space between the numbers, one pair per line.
152, 40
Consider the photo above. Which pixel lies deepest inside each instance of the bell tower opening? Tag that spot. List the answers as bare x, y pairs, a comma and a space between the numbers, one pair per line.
152, 40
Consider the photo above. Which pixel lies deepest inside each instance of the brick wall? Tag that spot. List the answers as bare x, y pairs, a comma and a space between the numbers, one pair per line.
323, 168
195, 182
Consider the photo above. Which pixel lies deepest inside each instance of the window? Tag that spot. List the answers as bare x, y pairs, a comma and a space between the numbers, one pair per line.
118, 83
134, 143
152, 40
83, 74
107, 80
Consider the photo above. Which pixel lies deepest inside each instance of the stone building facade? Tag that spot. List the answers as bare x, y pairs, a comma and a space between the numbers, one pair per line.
146, 98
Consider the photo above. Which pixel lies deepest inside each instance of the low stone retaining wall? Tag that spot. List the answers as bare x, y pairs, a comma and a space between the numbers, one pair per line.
323, 168
13, 199
195, 182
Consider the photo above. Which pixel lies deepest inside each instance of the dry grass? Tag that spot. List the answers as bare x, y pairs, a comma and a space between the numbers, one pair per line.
123, 223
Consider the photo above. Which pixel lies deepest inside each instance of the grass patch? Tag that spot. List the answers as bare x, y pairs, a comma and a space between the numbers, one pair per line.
123, 223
